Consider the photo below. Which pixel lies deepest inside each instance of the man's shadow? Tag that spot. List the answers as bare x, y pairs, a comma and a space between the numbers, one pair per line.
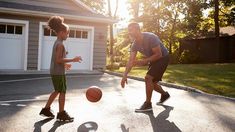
160, 122
38, 125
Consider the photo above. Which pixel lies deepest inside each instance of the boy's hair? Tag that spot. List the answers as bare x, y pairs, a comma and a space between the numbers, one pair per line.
134, 25
56, 23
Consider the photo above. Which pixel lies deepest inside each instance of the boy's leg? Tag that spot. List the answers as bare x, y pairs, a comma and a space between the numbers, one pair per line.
51, 99
61, 101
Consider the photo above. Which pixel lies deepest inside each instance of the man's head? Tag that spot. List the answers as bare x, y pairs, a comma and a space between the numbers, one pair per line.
134, 30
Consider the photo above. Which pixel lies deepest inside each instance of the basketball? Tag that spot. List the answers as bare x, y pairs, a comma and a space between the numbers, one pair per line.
93, 94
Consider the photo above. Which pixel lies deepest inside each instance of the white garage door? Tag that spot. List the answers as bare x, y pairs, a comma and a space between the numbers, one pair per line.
12, 46
77, 44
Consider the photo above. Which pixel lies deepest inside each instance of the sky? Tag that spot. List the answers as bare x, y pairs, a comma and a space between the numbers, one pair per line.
122, 12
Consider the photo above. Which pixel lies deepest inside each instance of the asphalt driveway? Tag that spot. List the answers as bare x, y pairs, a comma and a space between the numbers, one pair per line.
22, 100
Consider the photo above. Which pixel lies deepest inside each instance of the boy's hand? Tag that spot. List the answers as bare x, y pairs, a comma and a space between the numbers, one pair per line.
124, 81
67, 66
77, 59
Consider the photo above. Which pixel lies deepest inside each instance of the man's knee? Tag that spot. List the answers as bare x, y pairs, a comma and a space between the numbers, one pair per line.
148, 78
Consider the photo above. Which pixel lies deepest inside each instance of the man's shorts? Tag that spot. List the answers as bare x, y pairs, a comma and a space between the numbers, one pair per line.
156, 69
59, 83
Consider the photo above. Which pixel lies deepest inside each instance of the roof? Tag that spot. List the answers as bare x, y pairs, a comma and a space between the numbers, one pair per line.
230, 30
82, 12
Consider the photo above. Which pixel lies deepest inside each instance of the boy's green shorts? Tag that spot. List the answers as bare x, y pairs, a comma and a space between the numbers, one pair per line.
59, 82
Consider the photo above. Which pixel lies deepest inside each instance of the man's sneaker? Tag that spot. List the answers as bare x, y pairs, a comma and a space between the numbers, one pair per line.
145, 107
47, 112
64, 116
164, 97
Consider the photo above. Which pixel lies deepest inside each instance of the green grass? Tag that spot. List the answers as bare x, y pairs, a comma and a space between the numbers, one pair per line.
211, 78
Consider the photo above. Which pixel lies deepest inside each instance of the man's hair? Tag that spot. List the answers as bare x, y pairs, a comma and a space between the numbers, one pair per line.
134, 25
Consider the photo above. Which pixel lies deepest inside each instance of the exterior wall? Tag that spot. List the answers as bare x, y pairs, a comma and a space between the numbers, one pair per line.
100, 39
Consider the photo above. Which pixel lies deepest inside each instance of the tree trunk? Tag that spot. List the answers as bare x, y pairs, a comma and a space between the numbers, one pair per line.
172, 31
217, 32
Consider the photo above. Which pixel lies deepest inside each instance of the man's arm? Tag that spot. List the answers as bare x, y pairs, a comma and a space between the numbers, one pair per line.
130, 63
157, 54
128, 68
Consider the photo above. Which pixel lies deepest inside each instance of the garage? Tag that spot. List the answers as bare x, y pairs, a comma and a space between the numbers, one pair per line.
13, 44
79, 43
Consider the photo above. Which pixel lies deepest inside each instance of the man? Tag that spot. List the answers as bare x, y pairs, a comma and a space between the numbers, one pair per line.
156, 56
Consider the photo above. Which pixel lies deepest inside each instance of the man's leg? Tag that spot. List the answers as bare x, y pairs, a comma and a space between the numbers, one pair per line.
149, 87
164, 95
147, 106
158, 88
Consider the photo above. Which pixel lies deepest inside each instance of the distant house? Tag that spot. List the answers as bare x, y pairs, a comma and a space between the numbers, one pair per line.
208, 51
26, 43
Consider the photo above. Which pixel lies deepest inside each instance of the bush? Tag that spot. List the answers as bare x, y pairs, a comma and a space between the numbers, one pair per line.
115, 66
187, 57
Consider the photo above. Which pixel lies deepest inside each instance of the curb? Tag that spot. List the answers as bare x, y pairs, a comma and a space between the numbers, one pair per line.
171, 85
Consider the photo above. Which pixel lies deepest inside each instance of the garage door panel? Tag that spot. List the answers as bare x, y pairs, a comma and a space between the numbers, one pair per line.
11, 51
74, 45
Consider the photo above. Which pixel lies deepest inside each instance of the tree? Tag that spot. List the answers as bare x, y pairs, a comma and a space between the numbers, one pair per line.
96, 5
111, 39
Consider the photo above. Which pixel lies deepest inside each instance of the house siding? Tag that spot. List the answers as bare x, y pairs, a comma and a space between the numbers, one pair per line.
100, 39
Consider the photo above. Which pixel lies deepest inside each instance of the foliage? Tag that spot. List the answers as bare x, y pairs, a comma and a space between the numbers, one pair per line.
96, 5
188, 57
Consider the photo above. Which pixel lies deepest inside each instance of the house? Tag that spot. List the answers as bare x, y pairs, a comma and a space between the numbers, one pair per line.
26, 43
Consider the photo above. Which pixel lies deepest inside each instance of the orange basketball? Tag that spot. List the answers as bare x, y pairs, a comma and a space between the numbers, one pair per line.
93, 94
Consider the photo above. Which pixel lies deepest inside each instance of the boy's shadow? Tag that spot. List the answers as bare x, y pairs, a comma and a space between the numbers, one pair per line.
160, 122
39, 124
58, 124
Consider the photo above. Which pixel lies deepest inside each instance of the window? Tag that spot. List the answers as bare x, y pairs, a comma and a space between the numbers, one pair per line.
71, 33
2, 28
53, 33
78, 34
18, 30
10, 29
84, 34
46, 32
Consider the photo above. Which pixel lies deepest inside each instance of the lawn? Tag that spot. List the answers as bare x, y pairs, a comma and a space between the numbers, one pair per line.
211, 78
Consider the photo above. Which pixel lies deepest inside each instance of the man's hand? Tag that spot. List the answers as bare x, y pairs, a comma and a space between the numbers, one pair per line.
124, 81
140, 62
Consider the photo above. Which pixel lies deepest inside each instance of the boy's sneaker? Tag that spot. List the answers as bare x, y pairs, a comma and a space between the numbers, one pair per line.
145, 107
64, 116
164, 97
47, 112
